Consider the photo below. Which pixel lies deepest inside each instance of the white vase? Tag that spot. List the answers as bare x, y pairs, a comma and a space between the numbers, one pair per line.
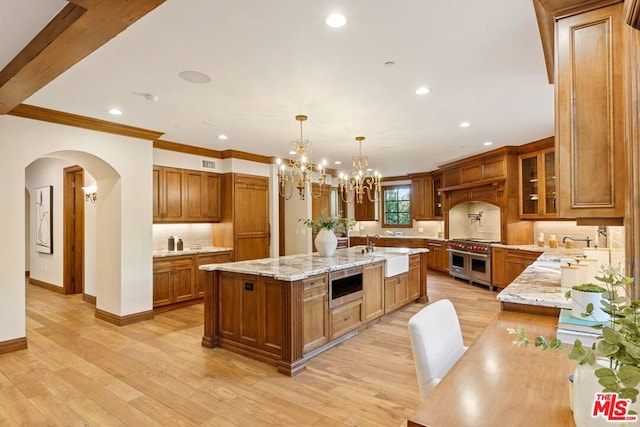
579, 302
585, 387
326, 242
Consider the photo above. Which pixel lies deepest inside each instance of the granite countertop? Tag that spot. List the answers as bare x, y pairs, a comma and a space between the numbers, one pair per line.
189, 251
539, 283
297, 267
389, 236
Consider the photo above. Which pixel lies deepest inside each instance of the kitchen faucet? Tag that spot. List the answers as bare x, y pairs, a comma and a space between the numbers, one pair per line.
587, 239
370, 245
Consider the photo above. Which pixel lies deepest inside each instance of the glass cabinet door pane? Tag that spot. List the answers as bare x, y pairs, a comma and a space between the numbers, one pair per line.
550, 182
529, 190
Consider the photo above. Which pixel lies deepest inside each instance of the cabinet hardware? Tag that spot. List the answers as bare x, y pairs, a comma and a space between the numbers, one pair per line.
248, 286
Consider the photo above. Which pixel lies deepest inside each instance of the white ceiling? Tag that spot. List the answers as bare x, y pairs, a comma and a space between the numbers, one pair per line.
270, 60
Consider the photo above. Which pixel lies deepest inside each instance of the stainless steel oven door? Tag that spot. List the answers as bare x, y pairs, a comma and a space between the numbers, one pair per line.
459, 264
480, 268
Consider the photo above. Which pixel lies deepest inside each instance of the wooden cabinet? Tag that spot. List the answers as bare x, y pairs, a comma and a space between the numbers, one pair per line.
390, 242
373, 286
589, 114
413, 277
168, 186
537, 184
315, 309
365, 211
422, 198
437, 196
203, 276
250, 310
181, 195
507, 264
244, 223
438, 257
396, 292
177, 278
346, 318
173, 280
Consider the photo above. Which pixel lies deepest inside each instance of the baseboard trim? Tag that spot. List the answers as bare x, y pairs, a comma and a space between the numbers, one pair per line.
27, 273
89, 298
45, 285
123, 320
13, 345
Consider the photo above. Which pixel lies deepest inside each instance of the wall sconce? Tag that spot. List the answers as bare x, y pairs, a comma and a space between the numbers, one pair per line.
90, 193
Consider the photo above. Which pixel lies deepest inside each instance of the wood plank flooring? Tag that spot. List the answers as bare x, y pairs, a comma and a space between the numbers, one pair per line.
81, 371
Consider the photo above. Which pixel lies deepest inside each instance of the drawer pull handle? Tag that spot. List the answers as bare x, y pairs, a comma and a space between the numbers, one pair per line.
347, 318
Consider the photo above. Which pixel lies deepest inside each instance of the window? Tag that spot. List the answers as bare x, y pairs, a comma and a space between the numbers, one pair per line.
397, 206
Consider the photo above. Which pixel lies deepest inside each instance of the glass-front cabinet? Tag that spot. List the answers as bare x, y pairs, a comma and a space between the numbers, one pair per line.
437, 196
538, 185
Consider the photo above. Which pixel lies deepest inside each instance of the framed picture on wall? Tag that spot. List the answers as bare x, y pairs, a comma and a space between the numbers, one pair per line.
44, 224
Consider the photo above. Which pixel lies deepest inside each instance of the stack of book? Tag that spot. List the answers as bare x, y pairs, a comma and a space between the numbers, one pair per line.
571, 328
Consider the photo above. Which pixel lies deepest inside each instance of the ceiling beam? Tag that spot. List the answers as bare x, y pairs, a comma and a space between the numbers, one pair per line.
80, 28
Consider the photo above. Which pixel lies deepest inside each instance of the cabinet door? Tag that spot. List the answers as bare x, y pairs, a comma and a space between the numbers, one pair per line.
184, 286
346, 318
529, 186
193, 192
548, 173
437, 196
315, 313
156, 194
413, 277
442, 257
373, 284
251, 214
390, 294
203, 276
402, 289
365, 211
589, 114
162, 282
171, 186
211, 197
422, 198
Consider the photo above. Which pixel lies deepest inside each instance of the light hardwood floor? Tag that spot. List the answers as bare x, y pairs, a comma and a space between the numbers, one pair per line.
82, 371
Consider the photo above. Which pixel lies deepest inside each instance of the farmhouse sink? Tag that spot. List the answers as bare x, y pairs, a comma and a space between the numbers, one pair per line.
396, 263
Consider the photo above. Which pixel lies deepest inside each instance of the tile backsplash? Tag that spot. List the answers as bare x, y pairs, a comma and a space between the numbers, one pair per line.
191, 234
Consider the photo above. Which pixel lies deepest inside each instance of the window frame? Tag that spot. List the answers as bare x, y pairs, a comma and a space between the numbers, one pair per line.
384, 206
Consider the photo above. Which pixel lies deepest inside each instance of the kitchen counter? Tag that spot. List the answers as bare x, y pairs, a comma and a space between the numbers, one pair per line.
539, 283
298, 267
188, 251
390, 236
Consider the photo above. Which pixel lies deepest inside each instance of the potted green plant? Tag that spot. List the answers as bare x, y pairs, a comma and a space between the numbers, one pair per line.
586, 302
326, 241
612, 363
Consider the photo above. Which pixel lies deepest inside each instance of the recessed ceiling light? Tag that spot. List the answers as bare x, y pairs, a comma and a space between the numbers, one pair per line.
194, 77
487, 143
223, 136
292, 152
115, 111
422, 90
465, 124
337, 162
336, 20
389, 64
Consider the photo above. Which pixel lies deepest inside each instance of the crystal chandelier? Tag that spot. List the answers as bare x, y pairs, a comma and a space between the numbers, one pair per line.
353, 188
300, 172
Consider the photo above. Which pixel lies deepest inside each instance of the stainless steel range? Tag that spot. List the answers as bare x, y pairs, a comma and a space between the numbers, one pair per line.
470, 259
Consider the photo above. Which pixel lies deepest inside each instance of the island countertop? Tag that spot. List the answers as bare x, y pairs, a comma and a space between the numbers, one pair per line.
297, 267
539, 283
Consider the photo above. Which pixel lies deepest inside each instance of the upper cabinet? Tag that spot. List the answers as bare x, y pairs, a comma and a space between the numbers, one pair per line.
181, 195
589, 114
426, 198
537, 185
365, 211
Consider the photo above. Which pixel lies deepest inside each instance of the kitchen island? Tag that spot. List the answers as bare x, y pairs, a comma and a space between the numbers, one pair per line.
285, 310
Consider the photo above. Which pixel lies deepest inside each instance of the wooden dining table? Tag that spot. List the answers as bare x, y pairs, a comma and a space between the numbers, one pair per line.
499, 383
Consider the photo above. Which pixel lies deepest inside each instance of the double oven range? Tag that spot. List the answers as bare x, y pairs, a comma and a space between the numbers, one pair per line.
470, 259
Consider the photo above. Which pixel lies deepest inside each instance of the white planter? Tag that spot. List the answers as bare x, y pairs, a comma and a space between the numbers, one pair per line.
585, 387
579, 302
326, 242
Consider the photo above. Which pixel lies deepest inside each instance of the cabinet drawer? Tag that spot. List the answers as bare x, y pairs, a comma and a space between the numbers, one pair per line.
346, 318
414, 261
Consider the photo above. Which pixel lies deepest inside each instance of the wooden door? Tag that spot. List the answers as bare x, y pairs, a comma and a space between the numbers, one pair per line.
315, 302
413, 277
212, 197
73, 252
171, 186
193, 192
251, 217
183, 280
162, 282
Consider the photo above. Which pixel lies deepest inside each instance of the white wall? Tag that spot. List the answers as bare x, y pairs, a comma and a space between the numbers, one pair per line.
297, 235
42, 172
122, 167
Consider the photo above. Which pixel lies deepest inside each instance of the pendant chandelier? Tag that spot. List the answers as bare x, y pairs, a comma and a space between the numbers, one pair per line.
353, 188
300, 172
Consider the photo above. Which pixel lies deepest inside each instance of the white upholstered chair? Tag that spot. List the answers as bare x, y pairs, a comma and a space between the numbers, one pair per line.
436, 342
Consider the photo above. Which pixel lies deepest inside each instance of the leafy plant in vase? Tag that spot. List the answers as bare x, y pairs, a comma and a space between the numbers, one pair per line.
612, 363
326, 241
